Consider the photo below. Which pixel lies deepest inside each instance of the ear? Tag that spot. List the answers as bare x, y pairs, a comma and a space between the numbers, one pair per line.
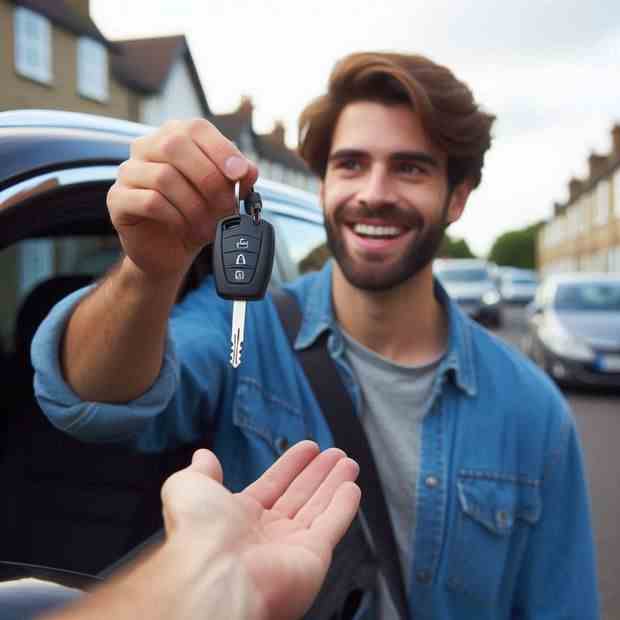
458, 199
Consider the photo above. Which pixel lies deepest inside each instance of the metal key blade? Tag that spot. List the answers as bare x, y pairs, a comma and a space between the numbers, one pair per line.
237, 333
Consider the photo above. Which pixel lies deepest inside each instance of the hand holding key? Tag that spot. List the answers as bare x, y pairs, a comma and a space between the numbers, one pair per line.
172, 191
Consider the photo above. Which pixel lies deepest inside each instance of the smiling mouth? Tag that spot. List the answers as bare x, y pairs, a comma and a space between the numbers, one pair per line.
370, 231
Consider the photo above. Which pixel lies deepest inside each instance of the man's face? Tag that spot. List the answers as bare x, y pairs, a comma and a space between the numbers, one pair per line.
385, 195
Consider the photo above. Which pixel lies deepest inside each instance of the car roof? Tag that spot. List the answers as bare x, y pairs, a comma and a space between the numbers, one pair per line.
51, 139
461, 263
581, 276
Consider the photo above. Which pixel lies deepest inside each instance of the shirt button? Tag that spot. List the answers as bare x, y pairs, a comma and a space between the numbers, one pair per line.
432, 482
423, 576
282, 444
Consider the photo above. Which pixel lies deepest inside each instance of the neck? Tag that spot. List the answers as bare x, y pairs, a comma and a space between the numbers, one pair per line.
405, 324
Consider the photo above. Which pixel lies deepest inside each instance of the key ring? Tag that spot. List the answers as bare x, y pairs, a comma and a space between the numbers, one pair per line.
237, 199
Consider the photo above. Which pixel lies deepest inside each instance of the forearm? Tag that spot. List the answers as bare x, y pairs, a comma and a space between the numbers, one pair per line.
176, 583
114, 343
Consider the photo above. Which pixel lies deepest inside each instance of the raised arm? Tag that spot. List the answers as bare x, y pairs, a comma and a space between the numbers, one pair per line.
164, 205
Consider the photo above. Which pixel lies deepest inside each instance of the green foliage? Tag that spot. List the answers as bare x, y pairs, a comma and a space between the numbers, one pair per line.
516, 248
455, 248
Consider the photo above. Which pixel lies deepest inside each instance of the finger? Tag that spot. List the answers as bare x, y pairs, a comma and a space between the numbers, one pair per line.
205, 462
174, 145
332, 524
346, 470
128, 207
171, 184
305, 485
276, 480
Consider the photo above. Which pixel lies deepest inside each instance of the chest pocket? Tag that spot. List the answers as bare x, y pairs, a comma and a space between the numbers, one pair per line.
269, 423
494, 518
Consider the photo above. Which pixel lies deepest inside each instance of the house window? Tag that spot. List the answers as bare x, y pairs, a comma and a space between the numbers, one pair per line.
92, 69
33, 45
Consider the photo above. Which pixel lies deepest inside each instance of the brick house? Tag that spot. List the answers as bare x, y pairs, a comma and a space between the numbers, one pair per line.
584, 233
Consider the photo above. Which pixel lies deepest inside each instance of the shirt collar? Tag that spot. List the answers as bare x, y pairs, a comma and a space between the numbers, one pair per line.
318, 317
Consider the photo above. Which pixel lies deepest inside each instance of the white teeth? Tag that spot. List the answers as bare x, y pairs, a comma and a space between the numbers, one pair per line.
376, 231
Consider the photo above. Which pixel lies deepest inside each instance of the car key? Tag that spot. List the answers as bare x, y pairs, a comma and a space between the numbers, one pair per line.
243, 255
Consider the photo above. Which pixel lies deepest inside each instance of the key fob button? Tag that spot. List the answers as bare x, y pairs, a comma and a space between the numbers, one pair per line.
239, 243
239, 276
239, 259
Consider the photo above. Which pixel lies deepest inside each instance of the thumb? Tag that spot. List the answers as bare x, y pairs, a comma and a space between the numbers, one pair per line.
205, 462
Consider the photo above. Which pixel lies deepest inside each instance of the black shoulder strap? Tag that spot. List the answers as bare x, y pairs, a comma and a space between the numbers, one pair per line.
349, 435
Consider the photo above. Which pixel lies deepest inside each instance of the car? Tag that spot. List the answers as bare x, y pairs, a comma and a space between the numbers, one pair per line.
518, 286
573, 329
75, 508
470, 283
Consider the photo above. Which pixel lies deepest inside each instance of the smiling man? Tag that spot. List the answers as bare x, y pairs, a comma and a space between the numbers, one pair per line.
476, 451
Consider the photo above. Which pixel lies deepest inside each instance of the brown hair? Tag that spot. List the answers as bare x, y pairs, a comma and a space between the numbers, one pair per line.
446, 107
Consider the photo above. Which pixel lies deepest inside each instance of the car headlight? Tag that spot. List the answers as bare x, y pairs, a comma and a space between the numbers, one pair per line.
490, 298
562, 343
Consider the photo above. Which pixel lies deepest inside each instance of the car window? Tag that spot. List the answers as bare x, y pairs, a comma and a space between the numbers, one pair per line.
302, 244
30, 262
589, 296
462, 275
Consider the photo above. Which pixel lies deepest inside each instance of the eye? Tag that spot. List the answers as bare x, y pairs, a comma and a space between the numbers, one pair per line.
348, 164
409, 167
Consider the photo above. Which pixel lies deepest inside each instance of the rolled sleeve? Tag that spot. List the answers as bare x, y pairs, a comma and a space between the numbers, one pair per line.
87, 420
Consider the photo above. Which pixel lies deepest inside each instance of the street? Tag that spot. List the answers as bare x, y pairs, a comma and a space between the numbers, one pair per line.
598, 419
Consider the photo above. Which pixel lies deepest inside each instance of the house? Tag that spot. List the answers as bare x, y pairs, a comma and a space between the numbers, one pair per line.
584, 233
57, 58
275, 160
162, 73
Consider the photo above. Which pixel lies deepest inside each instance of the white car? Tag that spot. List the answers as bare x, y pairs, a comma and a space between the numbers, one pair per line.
470, 283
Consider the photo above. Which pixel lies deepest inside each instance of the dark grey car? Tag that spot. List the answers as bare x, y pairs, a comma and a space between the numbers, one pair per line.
574, 329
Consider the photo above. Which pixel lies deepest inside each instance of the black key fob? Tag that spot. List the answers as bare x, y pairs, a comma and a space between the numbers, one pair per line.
243, 255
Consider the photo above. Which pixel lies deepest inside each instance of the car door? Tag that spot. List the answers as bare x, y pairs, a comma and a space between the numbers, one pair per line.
67, 504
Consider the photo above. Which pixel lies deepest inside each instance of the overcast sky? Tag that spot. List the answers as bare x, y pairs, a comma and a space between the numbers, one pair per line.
549, 70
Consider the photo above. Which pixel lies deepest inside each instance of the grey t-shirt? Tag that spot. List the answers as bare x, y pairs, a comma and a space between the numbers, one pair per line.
395, 398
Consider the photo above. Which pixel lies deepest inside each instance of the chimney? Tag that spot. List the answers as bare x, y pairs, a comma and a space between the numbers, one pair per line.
615, 140
246, 108
278, 132
574, 188
81, 7
597, 164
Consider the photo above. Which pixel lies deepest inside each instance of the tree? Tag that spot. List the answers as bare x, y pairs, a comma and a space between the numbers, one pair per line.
455, 248
516, 248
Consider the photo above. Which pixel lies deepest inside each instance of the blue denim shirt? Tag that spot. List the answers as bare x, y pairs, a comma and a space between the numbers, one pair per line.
502, 510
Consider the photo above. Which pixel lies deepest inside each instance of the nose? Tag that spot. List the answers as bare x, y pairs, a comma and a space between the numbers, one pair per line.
376, 188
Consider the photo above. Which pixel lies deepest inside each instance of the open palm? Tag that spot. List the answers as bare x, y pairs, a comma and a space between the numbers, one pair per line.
281, 530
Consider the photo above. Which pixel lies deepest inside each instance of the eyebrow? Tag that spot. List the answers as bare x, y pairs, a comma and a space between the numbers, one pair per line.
417, 156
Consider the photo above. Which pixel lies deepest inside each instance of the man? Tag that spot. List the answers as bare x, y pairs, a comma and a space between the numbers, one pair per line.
256, 555
476, 450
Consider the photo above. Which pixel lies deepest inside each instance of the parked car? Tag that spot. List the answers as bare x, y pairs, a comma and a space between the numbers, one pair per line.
66, 504
574, 328
518, 286
470, 283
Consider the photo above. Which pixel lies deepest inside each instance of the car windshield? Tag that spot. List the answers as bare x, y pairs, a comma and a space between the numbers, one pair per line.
589, 296
522, 280
462, 275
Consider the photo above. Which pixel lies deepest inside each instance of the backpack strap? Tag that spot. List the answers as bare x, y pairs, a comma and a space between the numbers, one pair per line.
349, 435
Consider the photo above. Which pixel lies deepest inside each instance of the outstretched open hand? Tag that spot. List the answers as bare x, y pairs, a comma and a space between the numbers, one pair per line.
280, 531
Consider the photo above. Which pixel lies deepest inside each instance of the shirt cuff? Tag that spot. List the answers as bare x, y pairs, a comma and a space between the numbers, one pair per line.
89, 420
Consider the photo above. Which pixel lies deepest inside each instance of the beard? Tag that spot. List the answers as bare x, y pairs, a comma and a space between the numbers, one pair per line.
416, 256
